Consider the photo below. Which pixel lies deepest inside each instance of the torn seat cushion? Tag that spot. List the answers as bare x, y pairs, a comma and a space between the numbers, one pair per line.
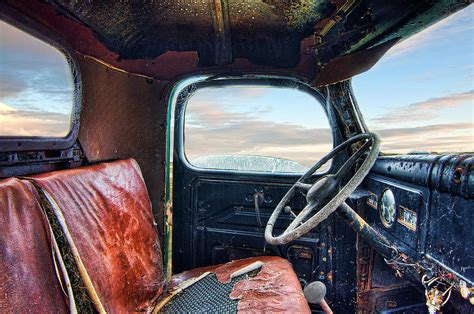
274, 288
108, 213
28, 282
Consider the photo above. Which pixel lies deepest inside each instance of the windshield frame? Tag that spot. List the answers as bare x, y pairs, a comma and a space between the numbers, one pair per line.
187, 92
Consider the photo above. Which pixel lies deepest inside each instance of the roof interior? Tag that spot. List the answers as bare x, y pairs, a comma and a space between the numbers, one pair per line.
294, 36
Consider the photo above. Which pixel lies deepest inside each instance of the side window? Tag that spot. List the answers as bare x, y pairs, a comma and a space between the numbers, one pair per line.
255, 129
36, 87
420, 97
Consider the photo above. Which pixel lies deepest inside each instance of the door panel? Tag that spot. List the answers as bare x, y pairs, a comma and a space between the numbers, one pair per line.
220, 223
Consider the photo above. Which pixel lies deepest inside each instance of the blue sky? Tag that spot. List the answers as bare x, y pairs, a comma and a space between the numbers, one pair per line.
436, 63
420, 95
36, 87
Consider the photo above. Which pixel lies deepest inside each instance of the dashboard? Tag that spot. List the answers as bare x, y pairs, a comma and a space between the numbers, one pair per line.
424, 205
398, 212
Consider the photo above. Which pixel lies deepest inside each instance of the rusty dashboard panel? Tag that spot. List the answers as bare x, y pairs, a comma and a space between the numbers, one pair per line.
433, 207
405, 217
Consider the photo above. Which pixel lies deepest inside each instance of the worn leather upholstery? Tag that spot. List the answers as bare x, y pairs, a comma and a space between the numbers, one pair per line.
108, 213
28, 282
275, 288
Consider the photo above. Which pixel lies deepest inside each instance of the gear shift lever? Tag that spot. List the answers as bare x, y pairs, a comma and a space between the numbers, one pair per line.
314, 293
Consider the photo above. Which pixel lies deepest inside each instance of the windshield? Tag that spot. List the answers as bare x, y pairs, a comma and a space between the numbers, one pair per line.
248, 163
255, 128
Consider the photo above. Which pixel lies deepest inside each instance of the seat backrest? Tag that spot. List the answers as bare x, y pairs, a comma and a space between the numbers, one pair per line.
107, 210
28, 281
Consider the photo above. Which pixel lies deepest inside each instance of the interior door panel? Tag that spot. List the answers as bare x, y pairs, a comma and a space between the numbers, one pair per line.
224, 223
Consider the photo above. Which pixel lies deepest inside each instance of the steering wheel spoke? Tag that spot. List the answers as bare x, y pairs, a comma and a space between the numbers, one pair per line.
299, 218
303, 186
326, 194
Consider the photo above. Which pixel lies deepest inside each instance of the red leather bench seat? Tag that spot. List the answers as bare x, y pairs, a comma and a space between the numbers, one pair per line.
107, 213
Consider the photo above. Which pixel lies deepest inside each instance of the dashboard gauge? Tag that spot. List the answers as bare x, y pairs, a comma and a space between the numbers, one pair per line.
388, 208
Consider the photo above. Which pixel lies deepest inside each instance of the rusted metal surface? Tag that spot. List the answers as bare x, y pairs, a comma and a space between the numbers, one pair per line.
342, 7
122, 117
342, 101
221, 24
166, 39
369, 234
344, 67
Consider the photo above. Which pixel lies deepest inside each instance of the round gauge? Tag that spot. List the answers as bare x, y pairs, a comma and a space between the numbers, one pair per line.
388, 208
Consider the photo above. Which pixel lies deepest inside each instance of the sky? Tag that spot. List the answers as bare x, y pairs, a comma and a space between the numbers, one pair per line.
36, 87
418, 97
276, 122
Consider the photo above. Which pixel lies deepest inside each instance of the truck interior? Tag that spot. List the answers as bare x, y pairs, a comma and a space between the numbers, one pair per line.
143, 195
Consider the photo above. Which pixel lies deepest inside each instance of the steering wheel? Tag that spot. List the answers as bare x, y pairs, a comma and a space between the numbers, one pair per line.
326, 191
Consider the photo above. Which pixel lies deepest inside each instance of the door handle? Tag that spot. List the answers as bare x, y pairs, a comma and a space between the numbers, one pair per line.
258, 198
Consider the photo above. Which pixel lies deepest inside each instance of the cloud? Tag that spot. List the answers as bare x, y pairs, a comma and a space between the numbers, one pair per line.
10, 86
450, 137
440, 32
214, 129
32, 122
251, 92
35, 83
34, 79
17, 44
425, 110
260, 138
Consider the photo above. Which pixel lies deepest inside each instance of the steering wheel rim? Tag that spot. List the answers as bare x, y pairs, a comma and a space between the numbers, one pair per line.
293, 232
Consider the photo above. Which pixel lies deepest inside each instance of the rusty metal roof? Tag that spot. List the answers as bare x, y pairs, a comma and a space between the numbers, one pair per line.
323, 41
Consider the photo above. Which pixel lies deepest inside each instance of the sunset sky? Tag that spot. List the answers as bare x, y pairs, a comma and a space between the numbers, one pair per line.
419, 97
35, 86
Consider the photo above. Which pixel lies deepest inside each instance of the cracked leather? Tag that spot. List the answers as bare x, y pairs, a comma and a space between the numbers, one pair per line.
108, 213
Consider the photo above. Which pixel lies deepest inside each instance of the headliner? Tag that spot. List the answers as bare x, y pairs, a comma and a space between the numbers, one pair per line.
323, 41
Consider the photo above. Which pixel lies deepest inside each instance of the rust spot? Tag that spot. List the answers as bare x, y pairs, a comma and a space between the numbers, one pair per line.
330, 276
330, 251
457, 175
391, 304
